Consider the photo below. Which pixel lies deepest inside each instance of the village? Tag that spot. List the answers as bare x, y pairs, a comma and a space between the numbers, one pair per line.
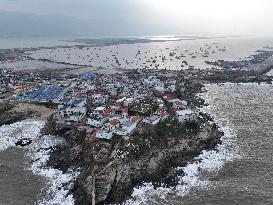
119, 122
108, 105
117, 104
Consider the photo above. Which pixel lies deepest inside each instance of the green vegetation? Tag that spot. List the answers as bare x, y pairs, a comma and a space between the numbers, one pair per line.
159, 137
147, 107
21, 96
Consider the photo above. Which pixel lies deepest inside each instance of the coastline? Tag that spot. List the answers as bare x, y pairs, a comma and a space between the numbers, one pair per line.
123, 169
74, 161
143, 156
140, 193
63, 164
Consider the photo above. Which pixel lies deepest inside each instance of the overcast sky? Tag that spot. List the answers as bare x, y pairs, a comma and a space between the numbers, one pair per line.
201, 16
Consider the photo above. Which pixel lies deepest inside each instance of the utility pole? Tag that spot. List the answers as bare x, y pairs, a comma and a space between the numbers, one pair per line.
94, 186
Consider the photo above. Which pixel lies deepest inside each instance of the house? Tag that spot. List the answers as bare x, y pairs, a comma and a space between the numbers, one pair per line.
127, 128
72, 110
76, 117
114, 123
124, 112
160, 88
163, 114
96, 120
110, 86
128, 101
99, 116
152, 81
77, 102
99, 110
104, 134
178, 104
171, 87
99, 99
153, 120
72, 113
125, 101
186, 115
135, 119
119, 127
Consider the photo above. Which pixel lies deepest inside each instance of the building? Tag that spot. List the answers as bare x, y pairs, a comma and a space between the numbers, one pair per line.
96, 120
87, 76
178, 104
186, 116
72, 113
104, 134
153, 120
99, 116
99, 99
127, 128
124, 112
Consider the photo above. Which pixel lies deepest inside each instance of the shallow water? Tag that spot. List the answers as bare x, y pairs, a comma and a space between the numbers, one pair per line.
24, 177
34, 42
248, 179
17, 184
149, 55
241, 172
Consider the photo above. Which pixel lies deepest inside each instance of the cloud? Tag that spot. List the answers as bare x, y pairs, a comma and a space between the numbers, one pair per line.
204, 16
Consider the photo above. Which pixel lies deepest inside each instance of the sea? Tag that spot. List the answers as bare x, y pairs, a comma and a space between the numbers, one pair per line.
239, 171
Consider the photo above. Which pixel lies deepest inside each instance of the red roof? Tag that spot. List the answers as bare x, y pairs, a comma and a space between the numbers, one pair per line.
125, 110
107, 112
114, 122
173, 110
118, 97
163, 113
158, 110
135, 118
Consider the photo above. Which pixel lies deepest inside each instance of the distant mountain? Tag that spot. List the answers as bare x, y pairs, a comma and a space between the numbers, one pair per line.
14, 24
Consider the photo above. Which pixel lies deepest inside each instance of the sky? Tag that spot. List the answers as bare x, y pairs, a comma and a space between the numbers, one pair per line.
192, 16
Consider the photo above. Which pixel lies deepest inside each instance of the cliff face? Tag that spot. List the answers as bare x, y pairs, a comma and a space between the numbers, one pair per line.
14, 112
111, 169
9, 116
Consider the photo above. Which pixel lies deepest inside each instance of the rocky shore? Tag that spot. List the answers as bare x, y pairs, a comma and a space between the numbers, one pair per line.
110, 169
9, 116
12, 112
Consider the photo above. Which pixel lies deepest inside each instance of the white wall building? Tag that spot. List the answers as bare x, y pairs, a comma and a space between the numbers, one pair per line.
99, 99
186, 115
104, 134
96, 120
72, 110
153, 120
74, 114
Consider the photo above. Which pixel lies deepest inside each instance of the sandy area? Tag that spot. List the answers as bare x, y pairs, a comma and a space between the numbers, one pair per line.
92, 69
35, 65
42, 112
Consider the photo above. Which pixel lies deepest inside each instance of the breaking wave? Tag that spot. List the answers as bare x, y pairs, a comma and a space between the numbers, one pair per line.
10, 134
38, 152
193, 178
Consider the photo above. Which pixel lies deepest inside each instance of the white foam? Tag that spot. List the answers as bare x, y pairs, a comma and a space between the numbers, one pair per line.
208, 161
10, 134
55, 193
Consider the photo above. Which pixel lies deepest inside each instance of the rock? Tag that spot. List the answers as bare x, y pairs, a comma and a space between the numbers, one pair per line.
118, 166
70, 186
23, 142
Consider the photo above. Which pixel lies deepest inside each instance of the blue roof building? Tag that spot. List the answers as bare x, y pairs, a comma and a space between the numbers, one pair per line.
87, 76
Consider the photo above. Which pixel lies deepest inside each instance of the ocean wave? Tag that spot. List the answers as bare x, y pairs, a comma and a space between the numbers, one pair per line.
55, 192
38, 152
10, 134
207, 162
